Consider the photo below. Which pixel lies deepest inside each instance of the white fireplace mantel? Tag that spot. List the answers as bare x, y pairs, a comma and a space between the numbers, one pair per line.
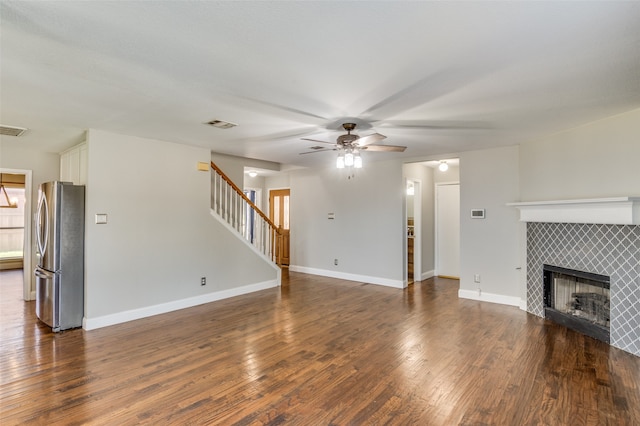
613, 211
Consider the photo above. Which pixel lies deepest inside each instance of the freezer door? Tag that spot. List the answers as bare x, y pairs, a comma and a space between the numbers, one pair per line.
47, 230
42, 225
47, 297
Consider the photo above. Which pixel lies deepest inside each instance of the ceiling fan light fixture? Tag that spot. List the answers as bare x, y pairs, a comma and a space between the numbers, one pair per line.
350, 145
348, 159
443, 167
357, 162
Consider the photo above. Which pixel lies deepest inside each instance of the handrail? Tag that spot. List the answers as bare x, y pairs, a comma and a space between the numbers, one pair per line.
244, 197
232, 206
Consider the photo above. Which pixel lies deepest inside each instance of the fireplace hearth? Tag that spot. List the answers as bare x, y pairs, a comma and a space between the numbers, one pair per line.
578, 300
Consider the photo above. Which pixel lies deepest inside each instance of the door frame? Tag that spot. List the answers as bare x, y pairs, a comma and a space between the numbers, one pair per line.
417, 231
28, 293
436, 252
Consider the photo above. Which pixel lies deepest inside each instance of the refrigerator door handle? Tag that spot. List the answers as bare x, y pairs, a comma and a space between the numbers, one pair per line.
39, 226
43, 273
42, 245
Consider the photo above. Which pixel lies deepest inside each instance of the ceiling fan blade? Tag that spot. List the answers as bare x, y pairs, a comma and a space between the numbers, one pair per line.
316, 140
384, 148
436, 124
308, 116
281, 135
317, 150
430, 88
369, 139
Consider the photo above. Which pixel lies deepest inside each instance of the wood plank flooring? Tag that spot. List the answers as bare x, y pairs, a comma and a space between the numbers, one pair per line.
317, 351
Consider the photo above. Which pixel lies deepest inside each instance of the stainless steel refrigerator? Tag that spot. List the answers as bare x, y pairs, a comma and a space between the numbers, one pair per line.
60, 253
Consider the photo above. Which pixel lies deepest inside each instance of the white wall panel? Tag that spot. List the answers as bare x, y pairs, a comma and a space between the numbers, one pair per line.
597, 160
367, 234
160, 237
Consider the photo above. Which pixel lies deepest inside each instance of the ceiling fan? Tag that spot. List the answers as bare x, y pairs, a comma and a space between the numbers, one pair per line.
354, 143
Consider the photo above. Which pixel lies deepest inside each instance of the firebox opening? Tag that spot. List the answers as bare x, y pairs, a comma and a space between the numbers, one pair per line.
578, 300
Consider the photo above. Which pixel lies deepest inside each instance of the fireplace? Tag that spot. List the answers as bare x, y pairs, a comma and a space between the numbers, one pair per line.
578, 300
600, 236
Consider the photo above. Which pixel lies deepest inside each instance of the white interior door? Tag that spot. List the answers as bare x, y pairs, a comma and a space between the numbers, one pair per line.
448, 230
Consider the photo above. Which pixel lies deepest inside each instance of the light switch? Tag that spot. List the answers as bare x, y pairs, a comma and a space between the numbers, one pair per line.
101, 218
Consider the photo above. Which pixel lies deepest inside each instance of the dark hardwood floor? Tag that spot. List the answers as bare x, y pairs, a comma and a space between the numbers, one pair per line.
317, 351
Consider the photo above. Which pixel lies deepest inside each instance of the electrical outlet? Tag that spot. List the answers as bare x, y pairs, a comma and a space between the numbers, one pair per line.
203, 281
335, 262
476, 278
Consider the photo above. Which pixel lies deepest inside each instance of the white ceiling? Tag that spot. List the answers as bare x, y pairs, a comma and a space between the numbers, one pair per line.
468, 74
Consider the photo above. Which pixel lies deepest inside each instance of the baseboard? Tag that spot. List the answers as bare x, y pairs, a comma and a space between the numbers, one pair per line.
8, 264
350, 277
163, 308
489, 297
523, 304
427, 275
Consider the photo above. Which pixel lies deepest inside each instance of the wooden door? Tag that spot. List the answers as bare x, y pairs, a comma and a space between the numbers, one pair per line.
279, 214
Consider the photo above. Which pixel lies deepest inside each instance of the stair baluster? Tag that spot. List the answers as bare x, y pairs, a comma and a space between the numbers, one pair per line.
231, 205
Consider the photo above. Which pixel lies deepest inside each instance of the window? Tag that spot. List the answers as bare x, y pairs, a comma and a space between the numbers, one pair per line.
12, 226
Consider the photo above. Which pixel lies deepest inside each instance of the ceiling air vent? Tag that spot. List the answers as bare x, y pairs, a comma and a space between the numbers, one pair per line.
11, 131
221, 124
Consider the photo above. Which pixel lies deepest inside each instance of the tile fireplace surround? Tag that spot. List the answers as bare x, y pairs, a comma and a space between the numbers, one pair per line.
607, 249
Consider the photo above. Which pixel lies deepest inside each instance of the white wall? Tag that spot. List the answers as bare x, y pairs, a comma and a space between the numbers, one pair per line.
451, 175
160, 237
253, 182
233, 166
279, 181
367, 234
600, 159
490, 247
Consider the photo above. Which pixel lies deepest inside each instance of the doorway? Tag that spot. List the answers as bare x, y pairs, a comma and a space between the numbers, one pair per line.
448, 230
413, 221
15, 226
279, 215
249, 221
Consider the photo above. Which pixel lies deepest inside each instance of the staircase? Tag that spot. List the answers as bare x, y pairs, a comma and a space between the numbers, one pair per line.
242, 216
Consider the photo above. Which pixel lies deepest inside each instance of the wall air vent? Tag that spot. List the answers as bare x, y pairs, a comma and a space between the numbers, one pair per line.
221, 124
11, 131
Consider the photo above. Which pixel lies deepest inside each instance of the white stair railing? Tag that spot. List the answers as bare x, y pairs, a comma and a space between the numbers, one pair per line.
241, 214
